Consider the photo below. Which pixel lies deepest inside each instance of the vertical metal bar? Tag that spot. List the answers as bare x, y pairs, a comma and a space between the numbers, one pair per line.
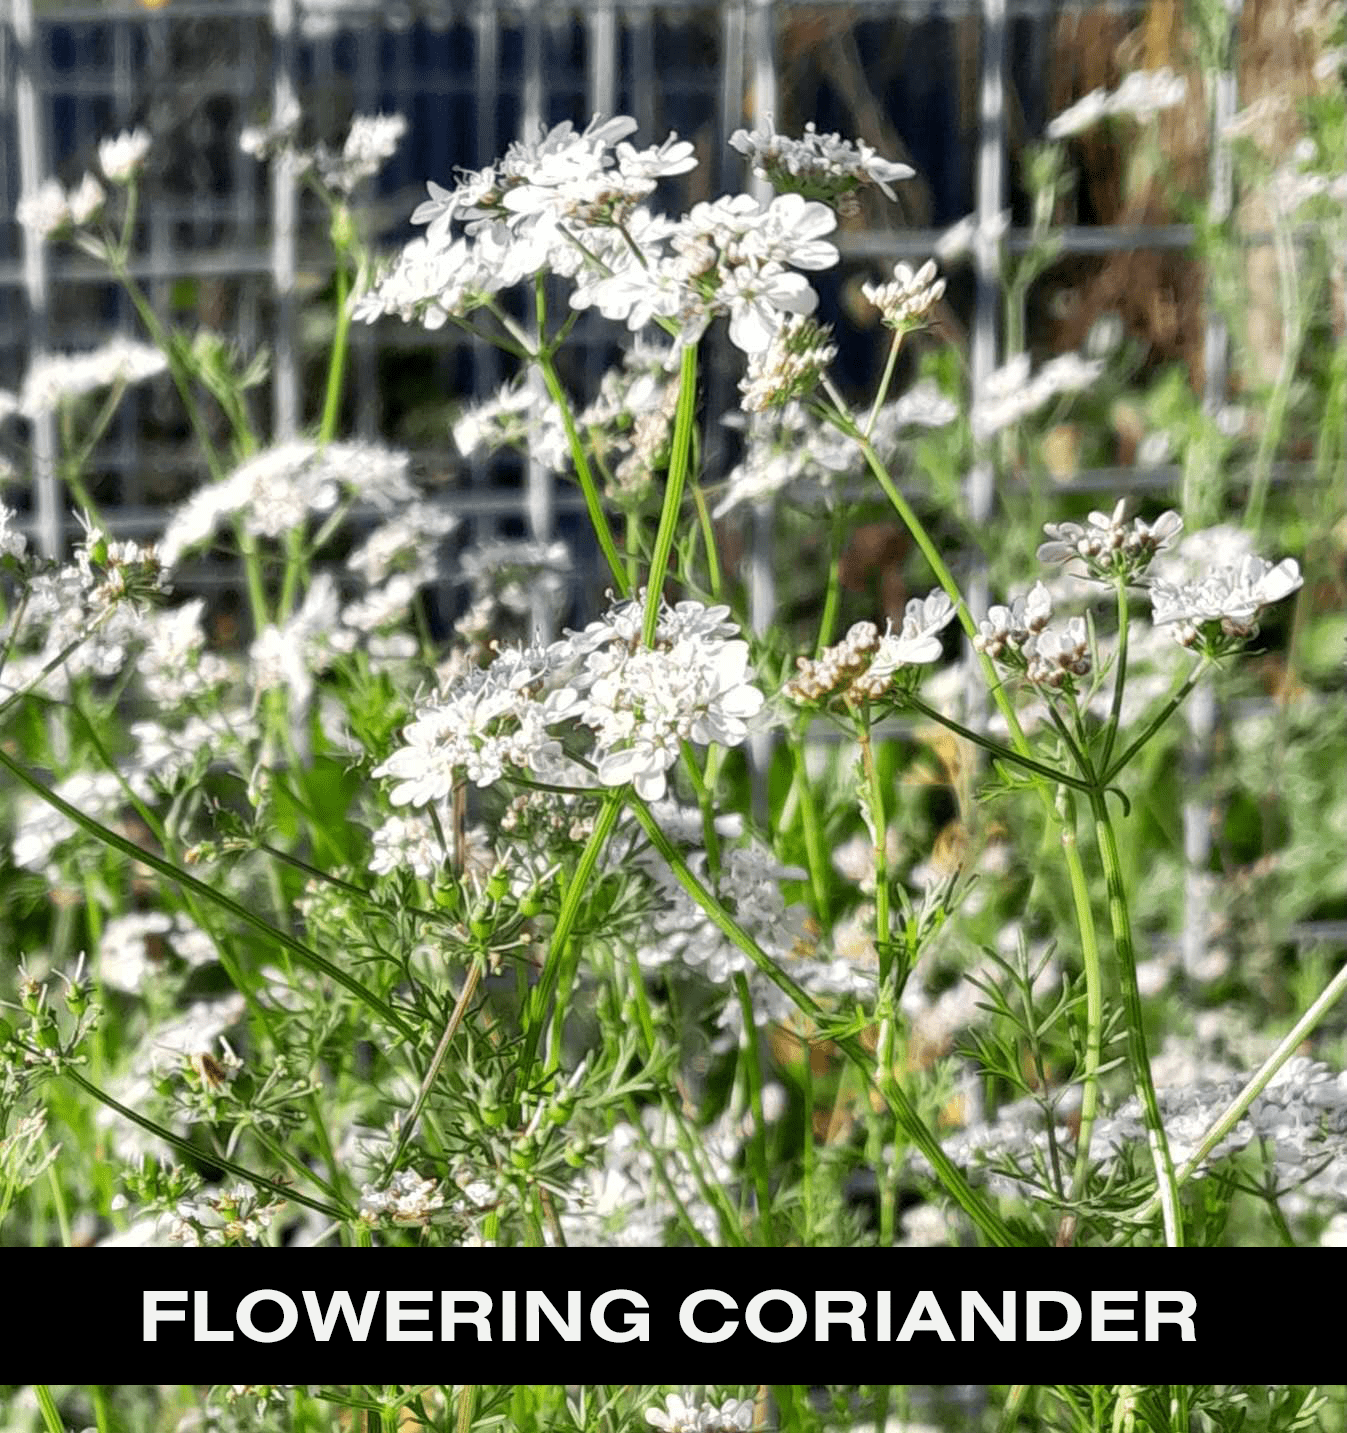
539, 498
979, 492
601, 60
284, 206
760, 35
368, 413
30, 120
487, 365
1200, 713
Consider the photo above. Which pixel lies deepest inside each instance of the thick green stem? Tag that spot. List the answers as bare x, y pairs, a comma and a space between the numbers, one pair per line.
679, 450
1119, 918
757, 1145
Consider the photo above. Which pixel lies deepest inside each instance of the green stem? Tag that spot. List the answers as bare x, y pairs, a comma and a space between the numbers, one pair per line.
1161, 717
593, 503
813, 835
1094, 1006
204, 1156
832, 596
757, 1146
51, 1418
1119, 679
882, 392
880, 843
714, 580
557, 951
673, 489
336, 368
298, 949
1001, 753
1167, 1185
909, 1121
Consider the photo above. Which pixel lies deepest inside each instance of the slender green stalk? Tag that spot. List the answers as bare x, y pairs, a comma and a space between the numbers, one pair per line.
1001, 753
714, 581
757, 1146
204, 1156
1094, 1007
558, 949
1139, 1059
911, 1123
1160, 718
880, 843
51, 1418
296, 948
882, 392
813, 834
832, 595
408, 1126
1119, 679
679, 450
336, 368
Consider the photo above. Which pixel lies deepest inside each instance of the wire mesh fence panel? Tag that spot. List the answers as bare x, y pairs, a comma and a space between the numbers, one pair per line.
956, 87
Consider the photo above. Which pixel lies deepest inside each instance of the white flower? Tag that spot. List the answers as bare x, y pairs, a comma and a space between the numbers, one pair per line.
1233, 596
1009, 394
121, 157
823, 165
757, 297
408, 1199
916, 643
908, 297
790, 231
1107, 545
12, 542
60, 378
371, 142
44, 211
790, 366
85, 200
1142, 95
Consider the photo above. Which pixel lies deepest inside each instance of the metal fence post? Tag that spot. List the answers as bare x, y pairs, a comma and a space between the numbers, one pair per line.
30, 117
284, 204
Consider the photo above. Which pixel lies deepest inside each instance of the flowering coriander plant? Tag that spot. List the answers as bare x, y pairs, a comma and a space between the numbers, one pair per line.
366, 930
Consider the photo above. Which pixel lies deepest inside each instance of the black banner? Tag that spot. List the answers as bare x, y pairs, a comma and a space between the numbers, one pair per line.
655, 1315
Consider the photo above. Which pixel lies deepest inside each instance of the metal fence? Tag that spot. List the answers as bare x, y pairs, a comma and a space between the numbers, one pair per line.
469, 74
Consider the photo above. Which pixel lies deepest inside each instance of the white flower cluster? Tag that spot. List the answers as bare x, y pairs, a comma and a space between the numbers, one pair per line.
1142, 95
1300, 1118
134, 948
51, 208
370, 143
174, 666
693, 683
631, 418
275, 491
627, 1200
639, 703
1225, 601
122, 156
1110, 548
863, 665
13, 543
819, 166
571, 203
1019, 637
517, 417
735, 1415
786, 447
1010, 394
54, 379
789, 367
905, 300
215, 1217
408, 1199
